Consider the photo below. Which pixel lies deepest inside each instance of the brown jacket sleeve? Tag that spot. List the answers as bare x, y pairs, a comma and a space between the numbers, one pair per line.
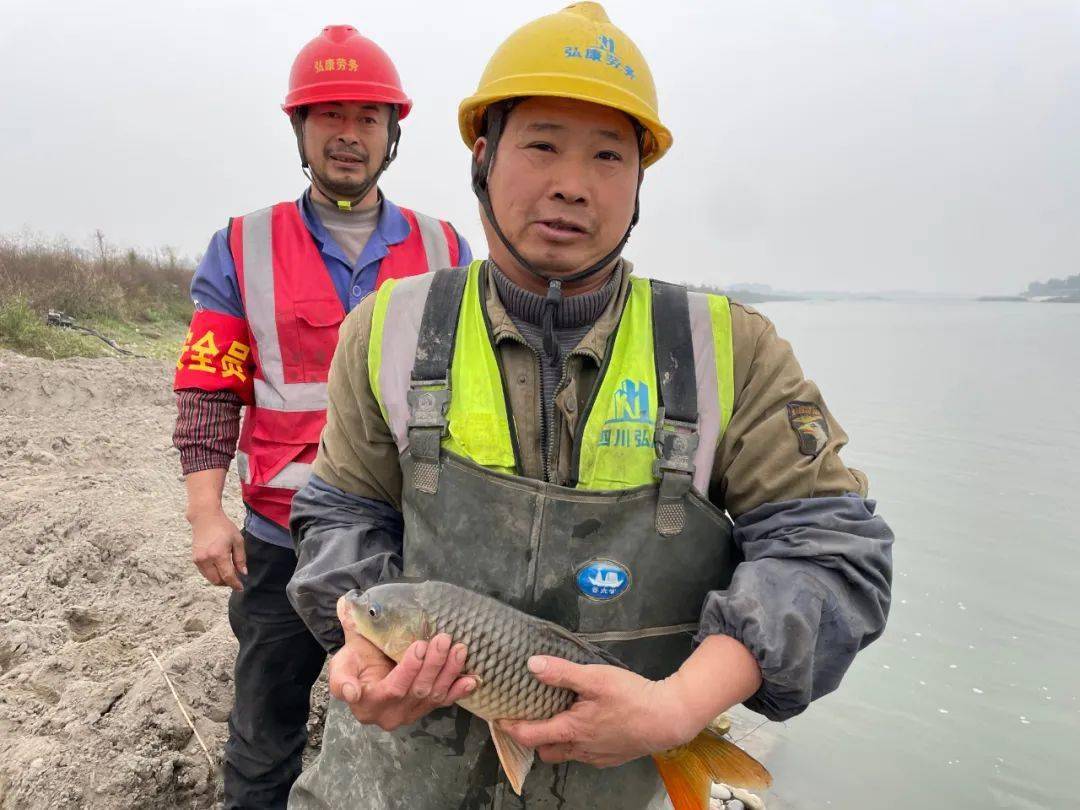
759, 459
357, 452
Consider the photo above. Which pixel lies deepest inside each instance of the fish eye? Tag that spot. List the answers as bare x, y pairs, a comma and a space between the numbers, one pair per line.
374, 611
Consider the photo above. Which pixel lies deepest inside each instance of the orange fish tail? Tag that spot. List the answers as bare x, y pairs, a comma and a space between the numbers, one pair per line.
689, 770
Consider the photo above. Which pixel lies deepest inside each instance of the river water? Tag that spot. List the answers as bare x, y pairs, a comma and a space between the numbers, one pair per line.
966, 417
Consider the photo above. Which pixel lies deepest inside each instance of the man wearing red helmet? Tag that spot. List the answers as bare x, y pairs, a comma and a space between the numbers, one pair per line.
270, 294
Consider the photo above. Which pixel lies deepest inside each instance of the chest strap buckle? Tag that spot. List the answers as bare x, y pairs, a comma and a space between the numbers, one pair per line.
428, 401
676, 443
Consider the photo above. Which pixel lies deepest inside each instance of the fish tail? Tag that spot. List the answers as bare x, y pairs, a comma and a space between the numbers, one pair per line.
689, 770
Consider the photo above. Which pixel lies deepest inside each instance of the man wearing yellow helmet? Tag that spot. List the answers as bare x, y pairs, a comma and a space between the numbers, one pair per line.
551, 429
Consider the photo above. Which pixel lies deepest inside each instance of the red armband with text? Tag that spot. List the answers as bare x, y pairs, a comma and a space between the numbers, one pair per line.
216, 355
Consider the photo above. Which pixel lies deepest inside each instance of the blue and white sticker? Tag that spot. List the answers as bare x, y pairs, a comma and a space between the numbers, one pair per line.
603, 580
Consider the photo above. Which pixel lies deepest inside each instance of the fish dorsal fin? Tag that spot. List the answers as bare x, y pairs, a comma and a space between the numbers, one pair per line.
586, 646
516, 760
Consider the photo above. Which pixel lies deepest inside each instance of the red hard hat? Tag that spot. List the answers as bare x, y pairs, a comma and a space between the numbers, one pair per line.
342, 65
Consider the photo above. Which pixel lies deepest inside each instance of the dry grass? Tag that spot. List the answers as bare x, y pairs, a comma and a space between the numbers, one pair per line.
127, 292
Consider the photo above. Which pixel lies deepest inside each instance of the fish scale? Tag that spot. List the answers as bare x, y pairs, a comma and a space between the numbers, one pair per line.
499, 642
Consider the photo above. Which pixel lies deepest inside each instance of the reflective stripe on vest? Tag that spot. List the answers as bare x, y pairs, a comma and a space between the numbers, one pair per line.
390, 362
292, 476
260, 304
617, 449
436, 242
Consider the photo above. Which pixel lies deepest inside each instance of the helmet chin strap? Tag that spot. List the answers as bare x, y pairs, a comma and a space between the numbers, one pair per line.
496, 120
299, 116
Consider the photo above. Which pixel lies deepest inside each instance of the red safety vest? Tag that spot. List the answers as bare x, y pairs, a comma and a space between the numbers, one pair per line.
293, 314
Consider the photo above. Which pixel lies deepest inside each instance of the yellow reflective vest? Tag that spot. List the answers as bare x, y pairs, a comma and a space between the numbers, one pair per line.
616, 447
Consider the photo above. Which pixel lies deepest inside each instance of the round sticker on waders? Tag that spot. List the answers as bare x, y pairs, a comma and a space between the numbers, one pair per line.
603, 580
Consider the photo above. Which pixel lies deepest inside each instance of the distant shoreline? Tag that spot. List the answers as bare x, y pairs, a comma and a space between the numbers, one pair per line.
762, 294
759, 298
1057, 299
763, 298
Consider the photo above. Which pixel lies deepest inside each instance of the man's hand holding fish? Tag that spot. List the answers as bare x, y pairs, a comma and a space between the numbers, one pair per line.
619, 715
387, 695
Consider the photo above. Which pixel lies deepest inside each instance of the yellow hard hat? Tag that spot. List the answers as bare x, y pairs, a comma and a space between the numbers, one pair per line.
575, 53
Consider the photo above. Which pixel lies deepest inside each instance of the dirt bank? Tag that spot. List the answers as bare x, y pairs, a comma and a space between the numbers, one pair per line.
97, 575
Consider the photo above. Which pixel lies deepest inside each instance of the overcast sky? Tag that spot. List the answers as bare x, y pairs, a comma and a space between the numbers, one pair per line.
818, 145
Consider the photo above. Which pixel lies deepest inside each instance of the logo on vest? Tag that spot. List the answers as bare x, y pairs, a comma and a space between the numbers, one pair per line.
630, 407
603, 580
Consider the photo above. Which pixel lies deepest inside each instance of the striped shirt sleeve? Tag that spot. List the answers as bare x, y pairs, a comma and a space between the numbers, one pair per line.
207, 428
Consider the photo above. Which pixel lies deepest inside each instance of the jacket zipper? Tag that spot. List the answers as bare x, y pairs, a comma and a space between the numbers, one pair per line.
539, 400
555, 429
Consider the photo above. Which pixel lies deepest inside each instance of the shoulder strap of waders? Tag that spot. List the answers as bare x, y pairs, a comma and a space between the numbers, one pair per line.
676, 437
429, 389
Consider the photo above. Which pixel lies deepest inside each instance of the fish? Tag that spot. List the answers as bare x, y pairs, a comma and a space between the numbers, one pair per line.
499, 640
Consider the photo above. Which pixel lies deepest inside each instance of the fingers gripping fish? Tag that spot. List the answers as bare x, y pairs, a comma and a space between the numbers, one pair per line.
500, 640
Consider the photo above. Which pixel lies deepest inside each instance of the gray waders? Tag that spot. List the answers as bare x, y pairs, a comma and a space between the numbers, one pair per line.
528, 543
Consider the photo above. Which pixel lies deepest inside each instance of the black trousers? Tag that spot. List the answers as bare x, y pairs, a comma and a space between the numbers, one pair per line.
276, 666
